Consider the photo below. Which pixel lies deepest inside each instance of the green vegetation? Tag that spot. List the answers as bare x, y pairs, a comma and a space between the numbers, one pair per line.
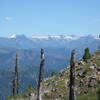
24, 95
86, 55
30, 89
98, 93
18, 96
53, 73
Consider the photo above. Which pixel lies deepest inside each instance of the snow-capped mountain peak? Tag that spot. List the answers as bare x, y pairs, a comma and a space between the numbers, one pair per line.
12, 36
17, 36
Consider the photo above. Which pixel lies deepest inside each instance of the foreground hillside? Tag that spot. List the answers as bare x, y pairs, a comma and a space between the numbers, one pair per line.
57, 86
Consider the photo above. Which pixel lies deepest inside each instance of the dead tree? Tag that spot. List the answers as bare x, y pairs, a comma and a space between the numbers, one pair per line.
40, 74
16, 77
72, 95
99, 42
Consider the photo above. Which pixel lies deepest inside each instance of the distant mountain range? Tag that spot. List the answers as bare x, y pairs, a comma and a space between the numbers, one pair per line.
56, 41
57, 48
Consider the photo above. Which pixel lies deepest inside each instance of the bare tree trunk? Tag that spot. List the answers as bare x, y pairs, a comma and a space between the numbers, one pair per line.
72, 95
16, 78
40, 74
99, 41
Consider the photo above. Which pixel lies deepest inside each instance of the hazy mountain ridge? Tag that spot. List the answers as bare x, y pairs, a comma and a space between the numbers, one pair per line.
56, 50
59, 41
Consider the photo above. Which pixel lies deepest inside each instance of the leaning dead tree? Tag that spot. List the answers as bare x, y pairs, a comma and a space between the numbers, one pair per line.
16, 77
72, 95
40, 73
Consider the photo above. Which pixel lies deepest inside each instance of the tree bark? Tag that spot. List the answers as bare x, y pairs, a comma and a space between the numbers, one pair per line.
72, 95
40, 74
16, 78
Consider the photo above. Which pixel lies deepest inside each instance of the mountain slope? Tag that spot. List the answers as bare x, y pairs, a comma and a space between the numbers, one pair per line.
87, 82
57, 52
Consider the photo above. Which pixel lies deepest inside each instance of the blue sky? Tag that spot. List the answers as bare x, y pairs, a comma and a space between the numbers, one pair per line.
45, 17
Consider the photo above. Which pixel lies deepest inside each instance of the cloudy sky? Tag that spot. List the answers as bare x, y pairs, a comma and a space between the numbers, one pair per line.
49, 17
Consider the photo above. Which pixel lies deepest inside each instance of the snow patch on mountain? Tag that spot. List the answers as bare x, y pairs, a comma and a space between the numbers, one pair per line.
39, 37
97, 37
55, 37
72, 37
12, 36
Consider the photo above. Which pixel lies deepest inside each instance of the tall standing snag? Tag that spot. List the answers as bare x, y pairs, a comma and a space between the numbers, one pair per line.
72, 95
40, 73
99, 42
16, 78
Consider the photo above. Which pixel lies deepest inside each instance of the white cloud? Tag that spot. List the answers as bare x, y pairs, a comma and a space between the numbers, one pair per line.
8, 18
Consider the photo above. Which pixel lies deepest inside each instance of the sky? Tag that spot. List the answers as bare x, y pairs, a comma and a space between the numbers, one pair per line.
49, 17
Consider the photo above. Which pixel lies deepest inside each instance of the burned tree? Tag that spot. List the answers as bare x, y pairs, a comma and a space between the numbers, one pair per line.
16, 78
99, 42
40, 73
72, 95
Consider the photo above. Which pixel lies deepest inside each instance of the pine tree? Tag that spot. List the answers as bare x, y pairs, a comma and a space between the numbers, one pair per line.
72, 95
86, 55
16, 78
40, 73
